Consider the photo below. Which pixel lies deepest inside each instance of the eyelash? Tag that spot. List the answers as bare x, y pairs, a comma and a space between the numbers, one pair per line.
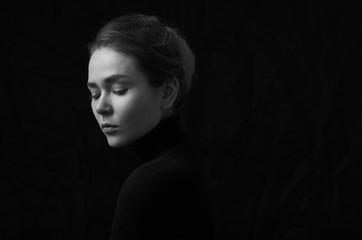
121, 92
118, 92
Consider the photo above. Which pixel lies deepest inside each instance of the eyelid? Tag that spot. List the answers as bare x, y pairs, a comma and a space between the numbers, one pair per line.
121, 91
94, 95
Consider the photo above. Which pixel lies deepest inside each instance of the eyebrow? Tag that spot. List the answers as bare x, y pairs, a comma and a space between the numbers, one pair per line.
111, 79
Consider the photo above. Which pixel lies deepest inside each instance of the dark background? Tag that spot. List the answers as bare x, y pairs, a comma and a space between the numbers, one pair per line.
276, 112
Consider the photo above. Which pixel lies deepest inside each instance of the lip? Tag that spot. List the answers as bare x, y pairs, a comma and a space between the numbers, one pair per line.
109, 128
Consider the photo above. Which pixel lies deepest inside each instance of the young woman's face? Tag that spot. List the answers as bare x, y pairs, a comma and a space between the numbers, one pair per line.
123, 102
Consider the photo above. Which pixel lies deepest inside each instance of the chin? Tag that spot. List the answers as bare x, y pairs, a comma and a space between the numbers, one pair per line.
117, 142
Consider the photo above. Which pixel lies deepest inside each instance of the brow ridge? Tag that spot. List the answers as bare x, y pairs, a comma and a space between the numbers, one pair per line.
109, 80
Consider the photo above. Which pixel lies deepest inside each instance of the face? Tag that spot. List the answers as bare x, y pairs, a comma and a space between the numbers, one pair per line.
123, 102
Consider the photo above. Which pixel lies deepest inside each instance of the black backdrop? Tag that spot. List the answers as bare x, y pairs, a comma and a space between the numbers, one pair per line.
276, 112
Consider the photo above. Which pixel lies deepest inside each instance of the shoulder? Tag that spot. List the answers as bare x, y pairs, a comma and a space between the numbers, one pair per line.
164, 197
142, 182
175, 169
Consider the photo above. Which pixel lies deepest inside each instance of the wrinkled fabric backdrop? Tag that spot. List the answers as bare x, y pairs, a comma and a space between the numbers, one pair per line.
276, 112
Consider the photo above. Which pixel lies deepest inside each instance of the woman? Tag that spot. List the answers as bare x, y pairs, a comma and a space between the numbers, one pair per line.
140, 71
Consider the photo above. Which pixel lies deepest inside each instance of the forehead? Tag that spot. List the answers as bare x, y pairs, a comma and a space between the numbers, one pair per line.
106, 62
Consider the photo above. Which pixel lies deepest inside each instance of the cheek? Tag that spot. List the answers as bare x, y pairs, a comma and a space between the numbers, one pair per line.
139, 108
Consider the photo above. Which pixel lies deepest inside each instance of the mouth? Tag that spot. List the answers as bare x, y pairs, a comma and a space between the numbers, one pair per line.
109, 128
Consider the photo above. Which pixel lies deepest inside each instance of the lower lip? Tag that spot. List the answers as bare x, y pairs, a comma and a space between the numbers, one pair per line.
110, 130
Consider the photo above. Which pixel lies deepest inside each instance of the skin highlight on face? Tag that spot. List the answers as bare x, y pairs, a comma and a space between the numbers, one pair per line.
124, 104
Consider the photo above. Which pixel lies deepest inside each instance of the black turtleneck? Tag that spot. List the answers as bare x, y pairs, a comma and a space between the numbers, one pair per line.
165, 197
167, 135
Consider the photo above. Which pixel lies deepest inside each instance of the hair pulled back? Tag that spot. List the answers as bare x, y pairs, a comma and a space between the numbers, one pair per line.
160, 51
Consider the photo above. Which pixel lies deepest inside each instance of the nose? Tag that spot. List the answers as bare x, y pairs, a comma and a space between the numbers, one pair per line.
104, 106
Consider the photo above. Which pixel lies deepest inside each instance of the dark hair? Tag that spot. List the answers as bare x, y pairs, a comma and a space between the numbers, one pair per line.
160, 51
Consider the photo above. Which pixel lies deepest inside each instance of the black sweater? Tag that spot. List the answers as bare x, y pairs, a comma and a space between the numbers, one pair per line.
164, 198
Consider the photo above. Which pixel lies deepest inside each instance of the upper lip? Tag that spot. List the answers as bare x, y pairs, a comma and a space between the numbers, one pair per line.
107, 125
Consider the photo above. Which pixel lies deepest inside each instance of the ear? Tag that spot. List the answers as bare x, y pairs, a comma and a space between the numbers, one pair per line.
169, 94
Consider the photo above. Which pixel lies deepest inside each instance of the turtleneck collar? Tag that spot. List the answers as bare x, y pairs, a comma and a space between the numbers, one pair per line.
166, 135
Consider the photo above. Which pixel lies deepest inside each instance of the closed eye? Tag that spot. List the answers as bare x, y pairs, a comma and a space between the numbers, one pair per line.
94, 96
121, 92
